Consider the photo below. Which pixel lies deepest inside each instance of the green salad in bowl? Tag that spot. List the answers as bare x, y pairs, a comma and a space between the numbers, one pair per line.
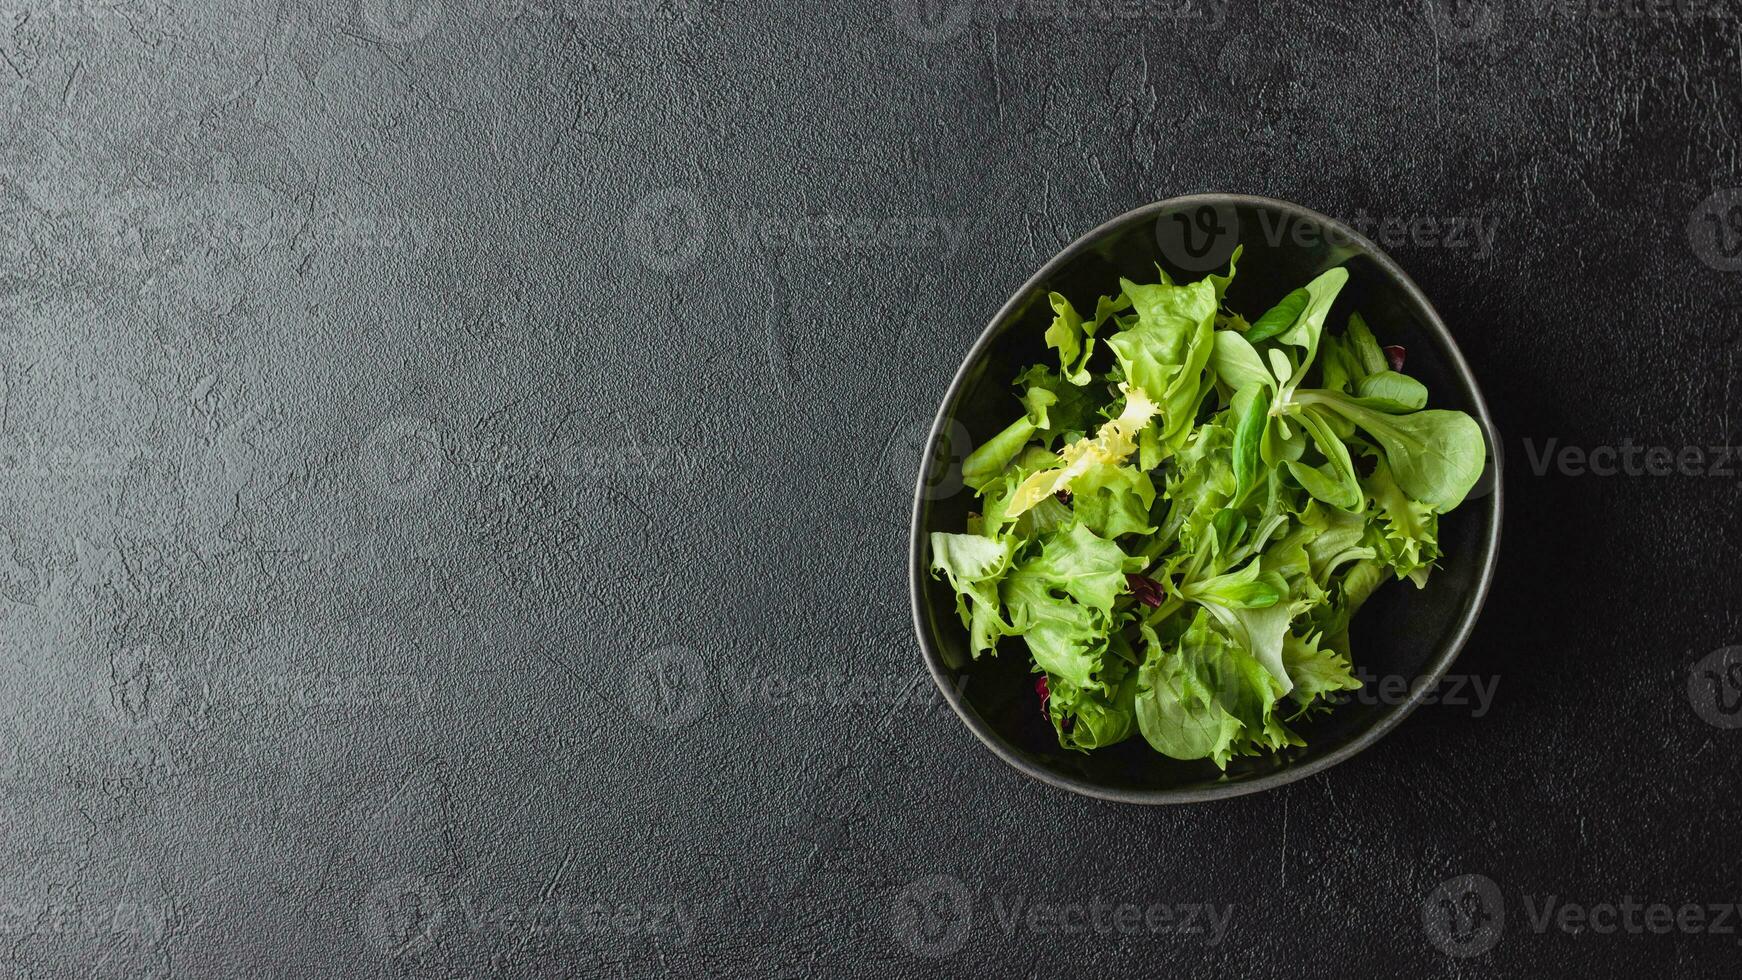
1188, 507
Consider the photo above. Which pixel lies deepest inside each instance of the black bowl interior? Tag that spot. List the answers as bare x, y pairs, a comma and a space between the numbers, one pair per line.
1401, 632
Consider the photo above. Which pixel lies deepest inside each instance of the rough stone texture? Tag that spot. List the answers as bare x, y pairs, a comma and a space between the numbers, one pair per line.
450, 447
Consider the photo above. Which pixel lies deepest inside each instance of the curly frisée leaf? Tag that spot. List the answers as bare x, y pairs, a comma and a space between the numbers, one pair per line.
974, 564
1115, 440
1174, 527
1053, 408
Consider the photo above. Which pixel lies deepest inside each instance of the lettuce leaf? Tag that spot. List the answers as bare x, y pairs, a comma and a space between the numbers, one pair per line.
974, 565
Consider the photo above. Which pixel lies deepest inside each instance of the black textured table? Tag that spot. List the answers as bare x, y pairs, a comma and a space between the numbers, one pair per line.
457, 457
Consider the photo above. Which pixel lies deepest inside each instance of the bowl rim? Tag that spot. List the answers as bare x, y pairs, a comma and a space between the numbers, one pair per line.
918, 576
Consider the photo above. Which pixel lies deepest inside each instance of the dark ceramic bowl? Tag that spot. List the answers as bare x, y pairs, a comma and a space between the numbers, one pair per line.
1401, 632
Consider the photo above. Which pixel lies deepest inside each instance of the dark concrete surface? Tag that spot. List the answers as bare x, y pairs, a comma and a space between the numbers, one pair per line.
456, 458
